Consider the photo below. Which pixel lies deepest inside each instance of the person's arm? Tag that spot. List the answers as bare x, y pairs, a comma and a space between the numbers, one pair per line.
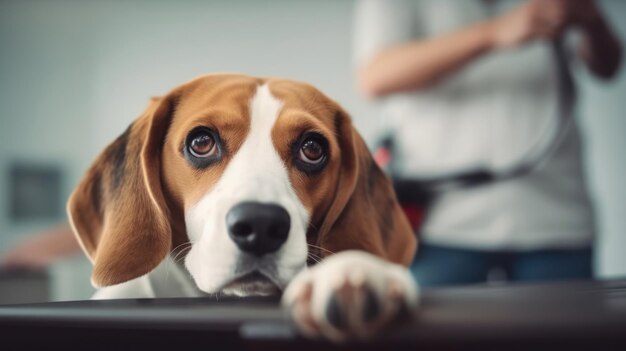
42, 249
418, 64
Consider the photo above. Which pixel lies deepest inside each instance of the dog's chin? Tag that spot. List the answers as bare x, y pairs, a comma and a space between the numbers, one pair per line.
251, 284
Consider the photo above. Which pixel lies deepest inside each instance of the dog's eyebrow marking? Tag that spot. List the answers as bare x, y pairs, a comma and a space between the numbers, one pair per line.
119, 157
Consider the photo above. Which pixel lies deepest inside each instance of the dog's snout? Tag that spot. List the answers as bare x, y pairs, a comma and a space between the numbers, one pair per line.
258, 228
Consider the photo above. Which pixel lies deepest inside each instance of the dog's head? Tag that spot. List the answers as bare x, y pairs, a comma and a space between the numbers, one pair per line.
260, 176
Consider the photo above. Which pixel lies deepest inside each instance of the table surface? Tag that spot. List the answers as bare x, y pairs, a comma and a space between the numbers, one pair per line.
578, 315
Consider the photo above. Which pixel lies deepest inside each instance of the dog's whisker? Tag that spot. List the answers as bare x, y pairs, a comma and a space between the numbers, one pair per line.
312, 252
180, 255
314, 257
180, 259
182, 248
321, 248
181, 245
316, 260
312, 225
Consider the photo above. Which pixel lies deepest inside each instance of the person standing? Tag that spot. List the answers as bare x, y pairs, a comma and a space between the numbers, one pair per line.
474, 85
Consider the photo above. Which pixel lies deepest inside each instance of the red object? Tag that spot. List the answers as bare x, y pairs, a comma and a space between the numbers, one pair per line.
415, 214
382, 156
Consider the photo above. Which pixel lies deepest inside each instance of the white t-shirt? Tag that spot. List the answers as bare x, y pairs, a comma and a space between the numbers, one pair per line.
501, 110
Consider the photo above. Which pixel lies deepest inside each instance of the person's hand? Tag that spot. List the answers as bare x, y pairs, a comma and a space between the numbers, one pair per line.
539, 19
526, 23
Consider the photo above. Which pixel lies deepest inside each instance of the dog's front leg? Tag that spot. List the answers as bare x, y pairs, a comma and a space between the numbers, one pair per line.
350, 295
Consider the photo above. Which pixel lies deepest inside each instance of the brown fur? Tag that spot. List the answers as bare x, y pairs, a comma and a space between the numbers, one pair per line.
128, 211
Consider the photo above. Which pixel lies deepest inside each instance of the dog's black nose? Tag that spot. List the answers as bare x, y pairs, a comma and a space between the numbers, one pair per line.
258, 228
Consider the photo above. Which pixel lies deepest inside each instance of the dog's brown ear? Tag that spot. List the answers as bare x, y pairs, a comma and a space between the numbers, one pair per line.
365, 214
118, 210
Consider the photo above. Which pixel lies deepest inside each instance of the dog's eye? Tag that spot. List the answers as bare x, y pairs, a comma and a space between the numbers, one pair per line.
202, 145
311, 152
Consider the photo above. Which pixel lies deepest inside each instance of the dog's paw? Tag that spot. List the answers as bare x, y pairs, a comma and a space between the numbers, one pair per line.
350, 295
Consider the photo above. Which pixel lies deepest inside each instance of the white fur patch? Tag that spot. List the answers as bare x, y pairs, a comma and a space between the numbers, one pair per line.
256, 173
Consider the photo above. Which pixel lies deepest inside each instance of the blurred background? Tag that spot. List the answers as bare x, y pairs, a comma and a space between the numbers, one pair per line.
75, 73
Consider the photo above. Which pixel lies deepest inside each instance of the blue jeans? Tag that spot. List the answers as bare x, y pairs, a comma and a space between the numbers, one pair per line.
438, 265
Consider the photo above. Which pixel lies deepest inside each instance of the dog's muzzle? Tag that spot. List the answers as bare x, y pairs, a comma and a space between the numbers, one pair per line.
258, 228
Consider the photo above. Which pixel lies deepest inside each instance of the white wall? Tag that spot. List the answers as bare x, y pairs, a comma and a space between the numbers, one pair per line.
74, 74
603, 112
46, 68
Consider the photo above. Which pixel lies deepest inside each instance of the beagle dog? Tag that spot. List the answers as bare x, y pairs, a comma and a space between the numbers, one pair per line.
248, 186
